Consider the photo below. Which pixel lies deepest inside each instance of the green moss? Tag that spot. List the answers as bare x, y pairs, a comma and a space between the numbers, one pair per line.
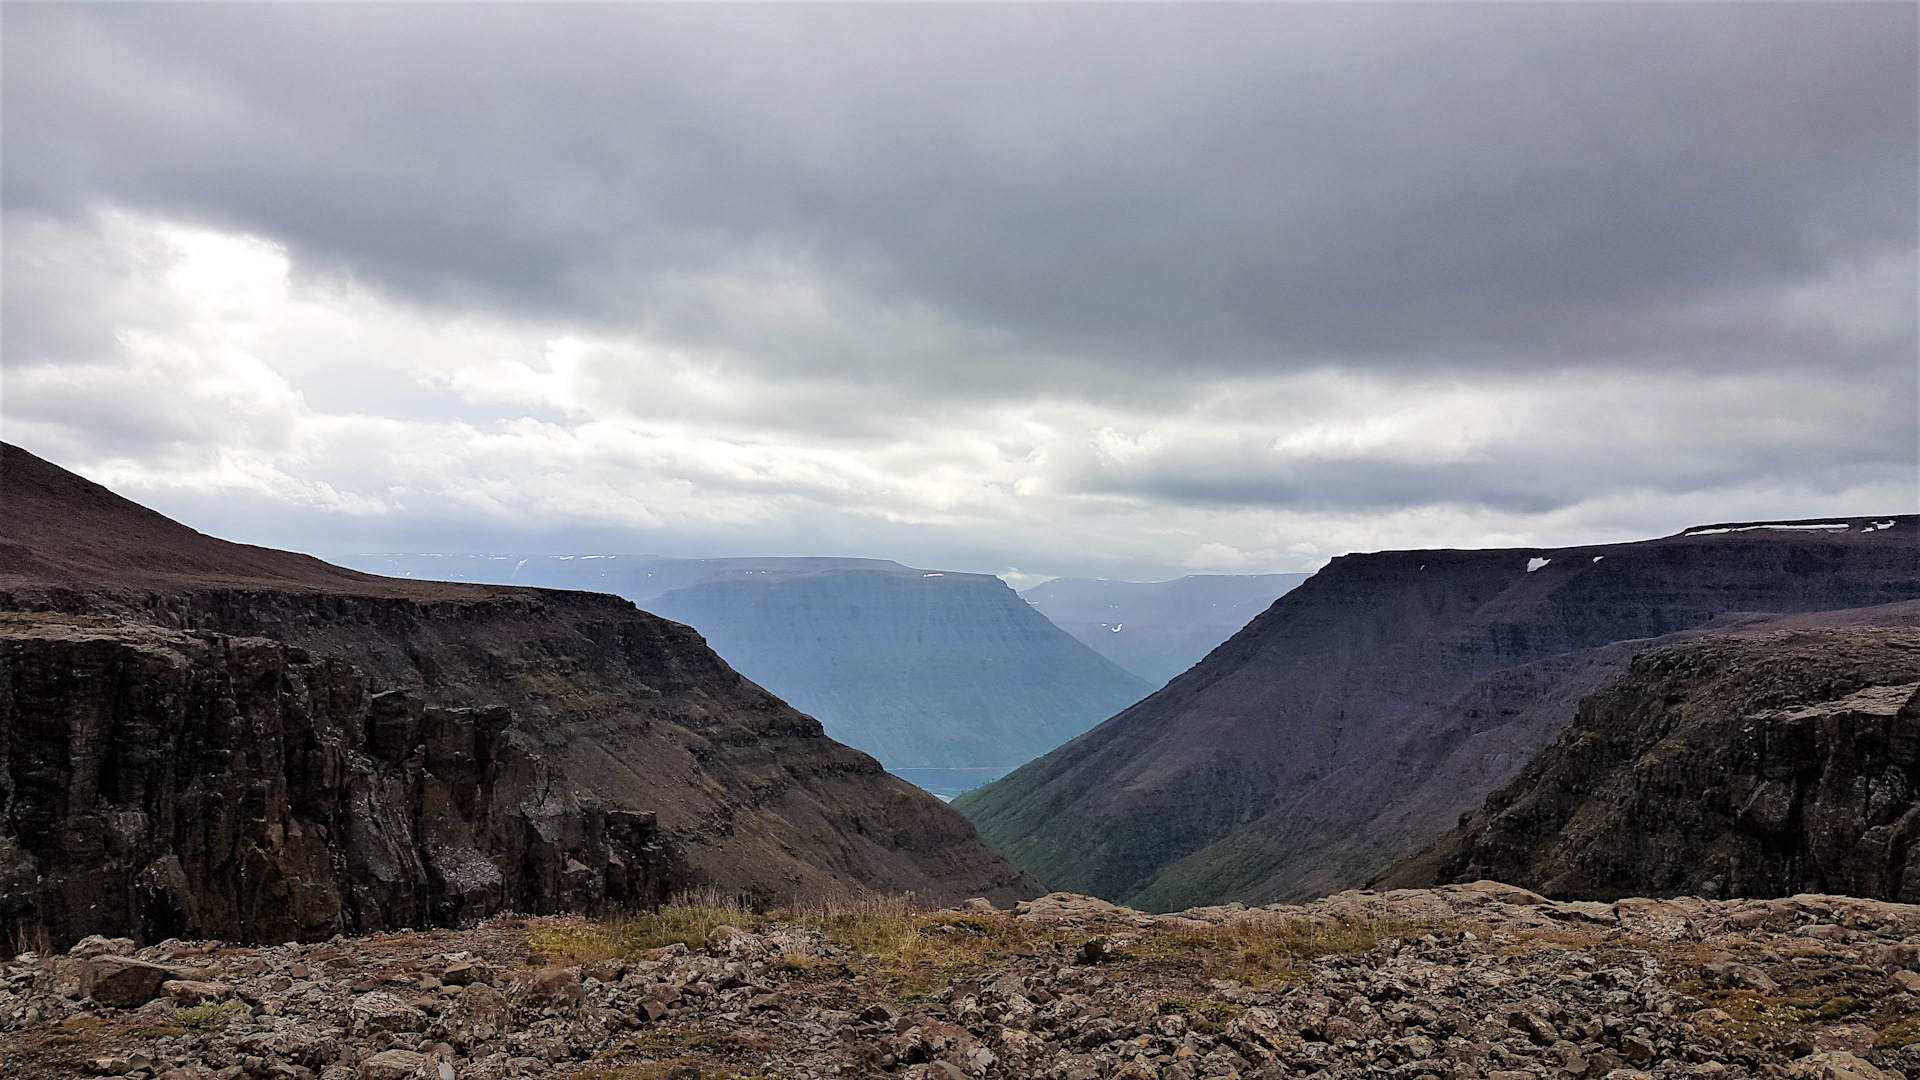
213, 1016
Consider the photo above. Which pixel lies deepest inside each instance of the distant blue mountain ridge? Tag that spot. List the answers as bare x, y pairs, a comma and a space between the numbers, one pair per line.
950, 679
1158, 629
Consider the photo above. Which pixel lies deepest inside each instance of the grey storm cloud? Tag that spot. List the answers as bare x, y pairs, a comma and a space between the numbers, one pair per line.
887, 268
1167, 184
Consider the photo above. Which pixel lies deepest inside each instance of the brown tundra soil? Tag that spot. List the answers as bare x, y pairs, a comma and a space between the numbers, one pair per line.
1464, 982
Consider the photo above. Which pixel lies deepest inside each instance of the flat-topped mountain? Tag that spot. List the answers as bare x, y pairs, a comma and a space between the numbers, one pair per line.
1157, 629
639, 578
922, 669
926, 670
1371, 706
187, 714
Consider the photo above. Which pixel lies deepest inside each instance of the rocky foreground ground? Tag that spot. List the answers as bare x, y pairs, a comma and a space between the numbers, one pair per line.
1468, 982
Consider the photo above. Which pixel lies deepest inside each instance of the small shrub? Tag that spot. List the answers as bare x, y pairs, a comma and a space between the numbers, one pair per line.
29, 938
213, 1016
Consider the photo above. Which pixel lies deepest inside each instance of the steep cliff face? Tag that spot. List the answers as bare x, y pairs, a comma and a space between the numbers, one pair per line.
1158, 629
1753, 765
627, 713
922, 669
925, 670
161, 784
1369, 707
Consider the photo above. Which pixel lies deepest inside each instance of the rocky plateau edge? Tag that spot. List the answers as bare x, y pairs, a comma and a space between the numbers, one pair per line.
1483, 981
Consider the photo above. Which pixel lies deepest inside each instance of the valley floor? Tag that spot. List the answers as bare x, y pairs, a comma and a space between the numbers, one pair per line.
1471, 982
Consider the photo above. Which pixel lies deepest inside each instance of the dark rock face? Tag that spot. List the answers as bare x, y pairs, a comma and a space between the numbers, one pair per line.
584, 714
1368, 708
1753, 765
161, 784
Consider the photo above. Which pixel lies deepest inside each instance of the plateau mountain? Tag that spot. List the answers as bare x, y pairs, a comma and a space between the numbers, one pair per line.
945, 677
1370, 707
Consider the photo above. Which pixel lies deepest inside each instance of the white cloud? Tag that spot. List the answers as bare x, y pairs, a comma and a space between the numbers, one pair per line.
204, 372
1218, 557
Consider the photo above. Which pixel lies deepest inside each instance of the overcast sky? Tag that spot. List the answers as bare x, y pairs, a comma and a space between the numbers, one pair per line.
1129, 291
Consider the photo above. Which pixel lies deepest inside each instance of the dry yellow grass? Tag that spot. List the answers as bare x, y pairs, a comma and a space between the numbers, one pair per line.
61, 1049
918, 946
687, 921
887, 934
915, 950
1270, 948
29, 937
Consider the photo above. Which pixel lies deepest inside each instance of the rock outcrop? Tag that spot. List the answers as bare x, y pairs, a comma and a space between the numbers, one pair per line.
601, 714
163, 784
1465, 982
1747, 765
1390, 693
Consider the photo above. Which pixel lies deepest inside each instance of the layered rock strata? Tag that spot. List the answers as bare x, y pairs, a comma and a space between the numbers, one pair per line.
1368, 708
160, 784
1748, 765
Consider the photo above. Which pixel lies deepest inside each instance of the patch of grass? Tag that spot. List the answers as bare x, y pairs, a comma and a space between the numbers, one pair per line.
569, 941
887, 935
213, 1016
1806, 999
678, 1053
917, 946
1895, 1031
59, 1051
916, 951
1266, 948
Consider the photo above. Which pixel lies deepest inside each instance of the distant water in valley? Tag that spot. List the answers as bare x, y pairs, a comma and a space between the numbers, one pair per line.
946, 784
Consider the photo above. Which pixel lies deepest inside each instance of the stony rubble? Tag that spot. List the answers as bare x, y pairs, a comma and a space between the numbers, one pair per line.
1473, 982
